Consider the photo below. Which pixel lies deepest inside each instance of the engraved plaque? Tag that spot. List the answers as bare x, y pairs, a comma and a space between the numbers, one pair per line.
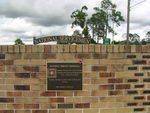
64, 76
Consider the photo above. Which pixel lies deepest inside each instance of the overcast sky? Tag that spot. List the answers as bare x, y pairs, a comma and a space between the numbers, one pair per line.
28, 18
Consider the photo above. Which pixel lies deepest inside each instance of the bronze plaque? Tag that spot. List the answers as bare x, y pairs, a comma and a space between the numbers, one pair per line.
64, 76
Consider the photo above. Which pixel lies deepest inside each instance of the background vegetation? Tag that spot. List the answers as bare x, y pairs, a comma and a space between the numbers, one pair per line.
102, 22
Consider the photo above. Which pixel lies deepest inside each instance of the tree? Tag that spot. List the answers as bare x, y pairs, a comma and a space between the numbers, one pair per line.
97, 24
148, 34
147, 39
18, 41
80, 19
101, 21
76, 33
85, 31
133, 38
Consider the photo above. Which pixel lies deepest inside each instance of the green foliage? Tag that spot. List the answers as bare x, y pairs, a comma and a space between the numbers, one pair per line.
116, 17
115, 42
148, 34
145, 41
77, 33
100, 23
18, 41
134, 38
107, 4
97, 23
104, 15
79, 17
85, 31
142, 42
93, 41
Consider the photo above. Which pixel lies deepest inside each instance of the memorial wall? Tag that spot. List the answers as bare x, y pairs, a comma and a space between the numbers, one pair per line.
74, 79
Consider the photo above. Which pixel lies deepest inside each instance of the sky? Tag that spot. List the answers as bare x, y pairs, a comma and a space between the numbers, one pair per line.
34, 18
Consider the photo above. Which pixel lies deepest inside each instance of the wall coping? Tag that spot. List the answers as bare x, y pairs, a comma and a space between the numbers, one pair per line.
80, 48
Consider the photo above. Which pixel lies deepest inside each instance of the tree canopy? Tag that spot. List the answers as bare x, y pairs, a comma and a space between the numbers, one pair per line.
104, 18
80, 19
18, 41
100, 23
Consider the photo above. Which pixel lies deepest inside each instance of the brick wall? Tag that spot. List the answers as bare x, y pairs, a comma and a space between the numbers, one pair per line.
116, 79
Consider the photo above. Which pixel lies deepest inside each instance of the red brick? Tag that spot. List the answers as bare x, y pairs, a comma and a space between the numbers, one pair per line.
139, 86
2, 56
6, 62
139, 62
47, 48
14, 94
22, 75
82, 105
139, 97
99, 68
106, 87
138, 48
123, 86
127, 48
53, 105
107, 74
39, 111
31, 68
115, 80
2, 68
49, 56
115, 93
57, 111
48, 93
17, 106
83, 56
56, 100
22, 87
6, 100
139, 109
145, 48
7, 111
99, 56
23, 111
132, 104
31, 106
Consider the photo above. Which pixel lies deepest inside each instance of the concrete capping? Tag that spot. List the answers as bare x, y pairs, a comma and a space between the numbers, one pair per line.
80, 48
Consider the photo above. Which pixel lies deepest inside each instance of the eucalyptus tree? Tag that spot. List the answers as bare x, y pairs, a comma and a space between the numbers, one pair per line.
148, 34
134, 38
105, 16
97, 23
77, 33
80, 19
18, 41
146, 40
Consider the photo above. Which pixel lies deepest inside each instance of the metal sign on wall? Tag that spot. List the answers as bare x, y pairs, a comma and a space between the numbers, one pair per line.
62, 39
64, 76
